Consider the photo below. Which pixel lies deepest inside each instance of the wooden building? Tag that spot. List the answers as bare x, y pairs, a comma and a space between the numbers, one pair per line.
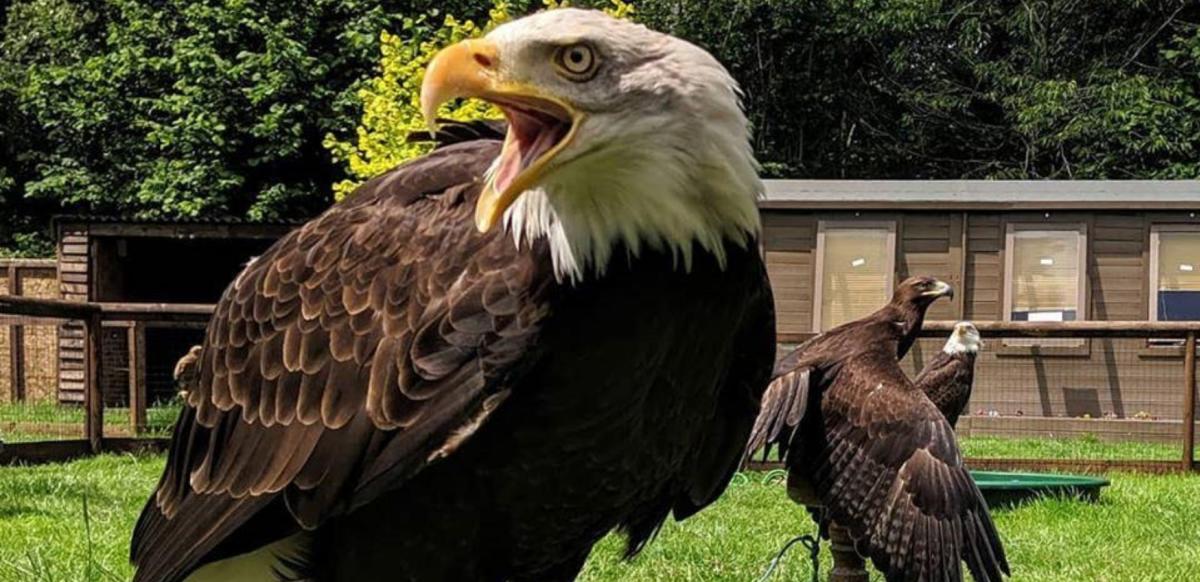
119, 260
1038, 251
1014, 250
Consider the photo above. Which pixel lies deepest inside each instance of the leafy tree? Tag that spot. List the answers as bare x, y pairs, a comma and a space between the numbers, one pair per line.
165, 108
391, 100
956, 88
179, 108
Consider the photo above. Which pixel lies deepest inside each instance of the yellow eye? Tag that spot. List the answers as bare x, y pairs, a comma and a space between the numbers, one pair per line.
577, 61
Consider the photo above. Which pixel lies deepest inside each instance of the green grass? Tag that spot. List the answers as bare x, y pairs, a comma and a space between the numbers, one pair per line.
42, 528
36, 421
1083, 448
1144, 528
1076, 448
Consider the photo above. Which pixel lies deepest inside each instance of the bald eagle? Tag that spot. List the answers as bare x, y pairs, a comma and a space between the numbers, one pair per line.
877, 453
948, 377
491, 356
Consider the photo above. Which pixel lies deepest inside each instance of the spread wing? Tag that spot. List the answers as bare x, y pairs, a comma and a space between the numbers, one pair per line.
356, 350
784, 405
798, 378
946, 380
892, 474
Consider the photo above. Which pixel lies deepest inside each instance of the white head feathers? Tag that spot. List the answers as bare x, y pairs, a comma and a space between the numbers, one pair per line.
662, 158
964, 339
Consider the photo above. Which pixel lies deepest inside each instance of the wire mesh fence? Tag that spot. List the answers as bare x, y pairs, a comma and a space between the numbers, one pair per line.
36, 402
1083, 396
85, 374
1119, 395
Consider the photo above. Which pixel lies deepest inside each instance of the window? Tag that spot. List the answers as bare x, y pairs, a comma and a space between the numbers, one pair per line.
1044, 276
854, 271
1174, 273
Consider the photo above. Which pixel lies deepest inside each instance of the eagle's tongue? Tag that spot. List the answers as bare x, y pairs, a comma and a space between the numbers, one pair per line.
530, 135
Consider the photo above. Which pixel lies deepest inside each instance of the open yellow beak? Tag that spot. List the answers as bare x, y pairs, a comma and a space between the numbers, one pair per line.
472, 68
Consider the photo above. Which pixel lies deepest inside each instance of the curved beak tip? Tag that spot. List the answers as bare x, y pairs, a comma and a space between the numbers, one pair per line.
464, 69
945, 289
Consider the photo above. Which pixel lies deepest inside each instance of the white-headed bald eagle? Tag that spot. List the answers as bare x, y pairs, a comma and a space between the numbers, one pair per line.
491, 356
948, 377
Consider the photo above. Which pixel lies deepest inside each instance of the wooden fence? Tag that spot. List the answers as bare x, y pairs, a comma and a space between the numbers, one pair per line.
1153, 368
93, 317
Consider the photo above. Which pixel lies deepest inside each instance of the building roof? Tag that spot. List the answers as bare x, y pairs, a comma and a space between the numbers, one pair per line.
983, 194
208, 220
205, 227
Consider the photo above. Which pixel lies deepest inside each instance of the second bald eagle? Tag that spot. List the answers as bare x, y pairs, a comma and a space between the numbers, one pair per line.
948, 377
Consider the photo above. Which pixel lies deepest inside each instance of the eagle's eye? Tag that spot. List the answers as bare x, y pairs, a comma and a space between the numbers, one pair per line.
576, 62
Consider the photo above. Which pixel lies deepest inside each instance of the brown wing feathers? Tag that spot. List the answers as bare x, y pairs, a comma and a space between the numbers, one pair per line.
891, 473
388, 312
783, 407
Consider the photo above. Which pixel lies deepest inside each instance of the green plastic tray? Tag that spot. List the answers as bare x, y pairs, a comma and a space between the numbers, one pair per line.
1003, 488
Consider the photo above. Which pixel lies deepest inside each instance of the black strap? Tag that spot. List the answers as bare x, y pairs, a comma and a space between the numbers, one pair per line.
814, 555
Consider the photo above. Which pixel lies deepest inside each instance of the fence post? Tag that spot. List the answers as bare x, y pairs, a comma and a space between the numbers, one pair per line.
16, 342
1189, 401
93, 394
137, 377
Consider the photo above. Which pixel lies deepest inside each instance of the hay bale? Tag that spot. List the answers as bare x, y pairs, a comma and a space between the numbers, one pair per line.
41, 341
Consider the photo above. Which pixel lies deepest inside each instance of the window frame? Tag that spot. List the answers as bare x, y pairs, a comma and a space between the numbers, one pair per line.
1083, 307
823, 226
1158, 348
1156, 230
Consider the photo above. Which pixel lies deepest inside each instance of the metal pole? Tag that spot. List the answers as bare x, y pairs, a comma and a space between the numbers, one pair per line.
1189, 402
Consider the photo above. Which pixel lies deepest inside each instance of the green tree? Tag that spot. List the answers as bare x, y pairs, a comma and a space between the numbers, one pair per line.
163, 108
181, 108
956, 88
391, 100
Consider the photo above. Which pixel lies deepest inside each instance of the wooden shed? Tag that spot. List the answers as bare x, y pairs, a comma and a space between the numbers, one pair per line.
115, 259
1015, 251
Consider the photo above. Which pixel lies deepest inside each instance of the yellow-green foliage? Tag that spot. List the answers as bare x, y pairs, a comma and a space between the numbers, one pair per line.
391, 99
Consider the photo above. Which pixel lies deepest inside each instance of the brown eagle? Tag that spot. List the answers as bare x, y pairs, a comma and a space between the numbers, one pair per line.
491, 356
879, 455
948, 377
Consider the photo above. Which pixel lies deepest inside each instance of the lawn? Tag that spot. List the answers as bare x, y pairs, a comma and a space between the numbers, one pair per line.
23, 422
1144, 528
1088, 448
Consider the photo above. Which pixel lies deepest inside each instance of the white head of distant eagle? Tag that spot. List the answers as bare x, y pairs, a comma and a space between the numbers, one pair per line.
617, 134
964, 340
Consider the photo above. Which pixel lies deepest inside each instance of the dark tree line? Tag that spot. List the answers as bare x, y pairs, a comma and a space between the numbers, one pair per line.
164, 108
